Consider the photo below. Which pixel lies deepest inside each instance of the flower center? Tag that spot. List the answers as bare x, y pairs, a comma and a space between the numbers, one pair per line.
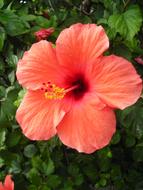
77, 87
82, 88
51, 91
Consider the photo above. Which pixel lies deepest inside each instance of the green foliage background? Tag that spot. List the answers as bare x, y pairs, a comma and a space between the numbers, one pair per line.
49, 165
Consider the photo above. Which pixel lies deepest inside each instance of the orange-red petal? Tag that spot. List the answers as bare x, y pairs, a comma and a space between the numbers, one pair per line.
38, 116
38, 65
80, 43
8, 183
87, 129
1, 186
116, 83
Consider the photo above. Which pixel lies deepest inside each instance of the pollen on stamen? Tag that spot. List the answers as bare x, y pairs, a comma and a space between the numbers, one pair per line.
51, 91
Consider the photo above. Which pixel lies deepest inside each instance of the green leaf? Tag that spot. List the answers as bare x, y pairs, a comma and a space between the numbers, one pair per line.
1, 3
44, 23
79, 180
2, 138
20, 97
13, 24
130, 141
2, 92
132, 119
34, 176
1, 162
32, 187
30, 150
138, 154
110, 5
7, 107
11, 77
116, 138
103, 182
2, 37
128, 23
104, 156
3, 116
123, 51
15, 167
13, 139
73, 169
36, 162
12, 60
28, 17
53, 181
47, 168
134, 45
44, 187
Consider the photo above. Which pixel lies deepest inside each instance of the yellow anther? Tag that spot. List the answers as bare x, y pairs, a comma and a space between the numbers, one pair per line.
54, 92
51, 91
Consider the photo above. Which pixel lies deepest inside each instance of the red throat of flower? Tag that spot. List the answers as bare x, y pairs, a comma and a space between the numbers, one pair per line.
76, 87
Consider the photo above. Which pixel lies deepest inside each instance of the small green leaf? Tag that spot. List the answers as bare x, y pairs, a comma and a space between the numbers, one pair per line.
13, 139
1, 3
103, 182
138, 154
32, 187
139, 145
20, 97
30, 150
28, 17
53, 181
2, 137
79, 179
7, 106
132, 119
109, 154
47, 168
44, 187
2, 37
130, 141
15, 167
36, 162
116, 138
2, 92
34, 176
1, 162
12, 60
11, 77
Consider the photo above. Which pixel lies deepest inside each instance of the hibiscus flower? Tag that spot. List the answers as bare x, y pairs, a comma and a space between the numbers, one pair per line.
8, 184
72, 89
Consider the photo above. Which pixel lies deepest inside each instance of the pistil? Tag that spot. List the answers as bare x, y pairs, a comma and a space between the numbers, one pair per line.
52, 91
